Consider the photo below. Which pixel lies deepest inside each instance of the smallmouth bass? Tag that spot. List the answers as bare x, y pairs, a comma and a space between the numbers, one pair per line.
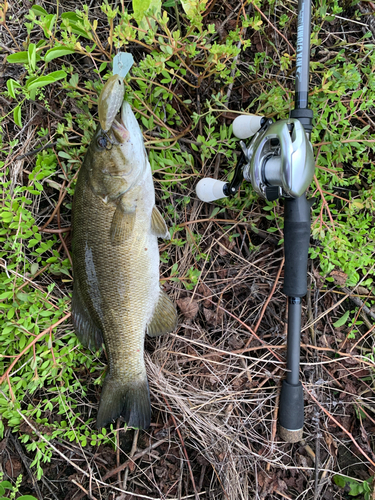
116, 291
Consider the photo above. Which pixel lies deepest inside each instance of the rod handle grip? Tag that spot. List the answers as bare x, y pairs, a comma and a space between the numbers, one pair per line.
291, 415
297, 225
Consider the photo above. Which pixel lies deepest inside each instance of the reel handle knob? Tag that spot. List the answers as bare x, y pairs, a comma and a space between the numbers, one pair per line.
210, 189
245, 126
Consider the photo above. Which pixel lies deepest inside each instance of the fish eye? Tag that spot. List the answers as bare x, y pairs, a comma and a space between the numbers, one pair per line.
102, 141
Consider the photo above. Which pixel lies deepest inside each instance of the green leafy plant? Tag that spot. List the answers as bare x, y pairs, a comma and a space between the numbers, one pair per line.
36, 78
7, 488
355, 488
41, 355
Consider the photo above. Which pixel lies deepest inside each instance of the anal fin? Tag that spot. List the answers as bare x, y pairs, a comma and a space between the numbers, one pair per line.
122, 224
158, 225
164, 319
88, 333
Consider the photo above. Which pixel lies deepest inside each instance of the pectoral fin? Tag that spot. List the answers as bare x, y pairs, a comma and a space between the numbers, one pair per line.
122, 224
88, 333
164, 319
158, 225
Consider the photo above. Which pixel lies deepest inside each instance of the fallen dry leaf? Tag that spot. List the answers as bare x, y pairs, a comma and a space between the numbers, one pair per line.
339, 277
225, 244
188, 307
206, 292
13, 467
213, 317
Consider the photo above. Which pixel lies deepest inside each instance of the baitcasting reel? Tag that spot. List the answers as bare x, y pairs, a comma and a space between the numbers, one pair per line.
278, 161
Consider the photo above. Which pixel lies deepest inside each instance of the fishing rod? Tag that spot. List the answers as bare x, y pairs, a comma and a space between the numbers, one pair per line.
279, 162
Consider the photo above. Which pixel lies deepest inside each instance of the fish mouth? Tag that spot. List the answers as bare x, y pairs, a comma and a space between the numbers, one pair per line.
126, 133
125, 127
119, 130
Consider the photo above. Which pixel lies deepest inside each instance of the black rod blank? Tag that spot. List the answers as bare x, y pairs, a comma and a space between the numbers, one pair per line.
303, 54
296, 245
294, 340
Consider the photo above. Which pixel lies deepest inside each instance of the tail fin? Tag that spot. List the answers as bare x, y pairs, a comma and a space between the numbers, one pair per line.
130, 400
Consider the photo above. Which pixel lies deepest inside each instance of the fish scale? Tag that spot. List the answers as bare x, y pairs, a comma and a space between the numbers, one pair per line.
116, 293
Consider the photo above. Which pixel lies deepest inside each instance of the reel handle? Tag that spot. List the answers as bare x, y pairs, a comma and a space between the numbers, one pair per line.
208, 190
245, 126
211, 189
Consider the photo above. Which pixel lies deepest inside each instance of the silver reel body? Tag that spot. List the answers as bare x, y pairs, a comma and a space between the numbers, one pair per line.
280, 160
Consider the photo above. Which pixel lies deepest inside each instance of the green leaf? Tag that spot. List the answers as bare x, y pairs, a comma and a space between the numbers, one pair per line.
42, 81
355, 489
341, 481
140, 7
7, 485
34, 268
74, 80
191, 7
38, 10
31, 53
65, 155
57, 52
366, 485
17, 116
72, 20
143, 9
21, 57
342, 320
18, 58
2, 490
72, 16
41, 43
49, 21
12, 84
215, 211
102, 66
26, 497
